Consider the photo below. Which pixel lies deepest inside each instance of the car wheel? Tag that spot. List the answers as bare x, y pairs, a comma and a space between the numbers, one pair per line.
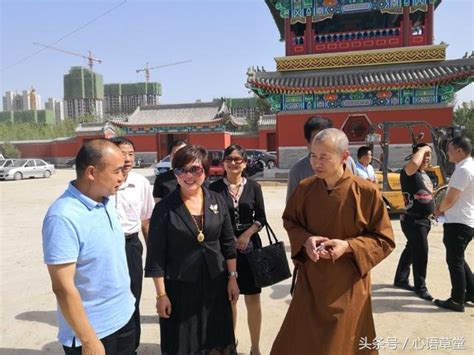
271, 164
47, 174
18, 176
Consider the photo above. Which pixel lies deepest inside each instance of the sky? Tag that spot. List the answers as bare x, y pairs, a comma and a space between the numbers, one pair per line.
221, 37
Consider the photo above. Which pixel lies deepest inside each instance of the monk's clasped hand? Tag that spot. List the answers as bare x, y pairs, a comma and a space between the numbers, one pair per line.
335, 248
311, 246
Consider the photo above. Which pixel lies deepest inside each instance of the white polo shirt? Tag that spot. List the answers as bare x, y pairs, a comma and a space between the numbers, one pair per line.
134, 202
462, 179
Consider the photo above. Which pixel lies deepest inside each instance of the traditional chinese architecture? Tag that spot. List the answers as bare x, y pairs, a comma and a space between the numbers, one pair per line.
154, 128
358, 62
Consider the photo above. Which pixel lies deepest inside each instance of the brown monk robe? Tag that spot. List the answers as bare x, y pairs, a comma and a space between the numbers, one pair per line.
331, 311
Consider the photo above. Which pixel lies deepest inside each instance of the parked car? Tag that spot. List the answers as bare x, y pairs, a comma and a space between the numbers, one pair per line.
217, 165
5, 163
71, 163
163, 165
258, 154
25, 168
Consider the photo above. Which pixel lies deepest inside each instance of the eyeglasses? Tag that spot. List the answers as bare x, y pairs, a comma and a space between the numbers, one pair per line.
194, 171
237, 161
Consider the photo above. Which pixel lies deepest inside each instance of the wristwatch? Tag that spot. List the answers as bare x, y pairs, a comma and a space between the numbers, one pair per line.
258, 224
233, 274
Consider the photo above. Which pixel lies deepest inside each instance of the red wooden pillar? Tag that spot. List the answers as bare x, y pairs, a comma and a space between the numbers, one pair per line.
407, 28
308, 35
429, 24
288, 42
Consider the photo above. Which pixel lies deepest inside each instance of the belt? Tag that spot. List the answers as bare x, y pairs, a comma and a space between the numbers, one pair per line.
241, 227
131, 235
418, 216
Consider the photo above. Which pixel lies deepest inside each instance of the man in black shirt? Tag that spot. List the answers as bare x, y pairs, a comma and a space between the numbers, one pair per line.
417, 191
166, 182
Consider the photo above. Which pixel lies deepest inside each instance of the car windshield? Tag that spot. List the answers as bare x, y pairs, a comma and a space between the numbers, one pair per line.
6, 163
18, 163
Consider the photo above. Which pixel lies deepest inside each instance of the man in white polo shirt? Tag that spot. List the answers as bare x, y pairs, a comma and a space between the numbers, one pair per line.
458, 209
134, 203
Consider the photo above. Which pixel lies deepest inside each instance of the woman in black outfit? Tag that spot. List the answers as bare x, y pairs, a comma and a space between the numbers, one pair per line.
191, 258
247, 212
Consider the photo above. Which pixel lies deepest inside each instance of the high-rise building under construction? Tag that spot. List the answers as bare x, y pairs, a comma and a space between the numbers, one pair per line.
83, 93
125, 98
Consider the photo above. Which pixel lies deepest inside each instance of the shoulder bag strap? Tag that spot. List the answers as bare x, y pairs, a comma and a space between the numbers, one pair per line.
270, 234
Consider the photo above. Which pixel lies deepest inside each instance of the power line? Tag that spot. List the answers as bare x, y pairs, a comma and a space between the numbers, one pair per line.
65, 36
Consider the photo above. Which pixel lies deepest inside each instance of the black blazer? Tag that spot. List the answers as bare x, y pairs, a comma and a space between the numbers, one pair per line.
173, 250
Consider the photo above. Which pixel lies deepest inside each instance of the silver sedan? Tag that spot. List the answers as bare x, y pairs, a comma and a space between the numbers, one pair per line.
26, 168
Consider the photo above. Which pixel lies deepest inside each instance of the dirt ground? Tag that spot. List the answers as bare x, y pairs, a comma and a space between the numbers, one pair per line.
404, 323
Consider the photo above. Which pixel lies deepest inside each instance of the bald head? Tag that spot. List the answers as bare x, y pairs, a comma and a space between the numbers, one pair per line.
334, 137
92, 153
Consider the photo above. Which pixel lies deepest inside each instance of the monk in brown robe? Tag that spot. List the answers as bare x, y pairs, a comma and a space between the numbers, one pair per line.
339, 229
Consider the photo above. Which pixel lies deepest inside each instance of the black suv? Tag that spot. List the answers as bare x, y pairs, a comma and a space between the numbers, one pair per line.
258, 154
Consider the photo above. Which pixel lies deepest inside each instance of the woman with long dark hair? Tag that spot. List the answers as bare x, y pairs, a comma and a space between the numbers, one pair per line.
244, 200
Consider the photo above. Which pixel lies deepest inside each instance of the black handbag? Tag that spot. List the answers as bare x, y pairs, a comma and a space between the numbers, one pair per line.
269, 264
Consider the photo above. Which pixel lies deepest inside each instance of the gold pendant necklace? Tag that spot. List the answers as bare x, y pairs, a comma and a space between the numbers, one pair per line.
200, 237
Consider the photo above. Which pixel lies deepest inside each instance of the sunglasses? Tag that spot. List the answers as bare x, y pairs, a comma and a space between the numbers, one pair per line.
194, 171
237, 161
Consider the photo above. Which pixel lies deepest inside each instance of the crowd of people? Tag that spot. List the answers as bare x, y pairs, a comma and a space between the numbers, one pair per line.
199, 235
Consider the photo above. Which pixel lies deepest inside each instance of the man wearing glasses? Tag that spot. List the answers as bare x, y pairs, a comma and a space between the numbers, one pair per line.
134, 203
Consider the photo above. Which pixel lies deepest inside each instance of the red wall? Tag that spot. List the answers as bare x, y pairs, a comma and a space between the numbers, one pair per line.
66, 148
290, 126
262, 138
144, 143
217, 140
248, 142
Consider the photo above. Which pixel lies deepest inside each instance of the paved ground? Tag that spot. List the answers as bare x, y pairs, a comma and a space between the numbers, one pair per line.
28, 324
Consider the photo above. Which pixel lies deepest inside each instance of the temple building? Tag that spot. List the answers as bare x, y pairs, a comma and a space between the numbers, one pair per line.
154, 128
359, 63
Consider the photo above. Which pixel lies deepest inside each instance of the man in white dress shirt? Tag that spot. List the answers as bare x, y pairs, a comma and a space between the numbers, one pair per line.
458, 210
134, 202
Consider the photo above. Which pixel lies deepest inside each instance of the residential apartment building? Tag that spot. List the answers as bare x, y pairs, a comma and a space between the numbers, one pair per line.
24, 101
57, 106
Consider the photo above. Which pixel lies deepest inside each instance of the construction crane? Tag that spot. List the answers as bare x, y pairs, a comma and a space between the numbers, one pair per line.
148, 68
90, 58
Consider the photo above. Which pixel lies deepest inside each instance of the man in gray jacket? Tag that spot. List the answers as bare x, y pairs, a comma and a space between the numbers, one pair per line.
302, 168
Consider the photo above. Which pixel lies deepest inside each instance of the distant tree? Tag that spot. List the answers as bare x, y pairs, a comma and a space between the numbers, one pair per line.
10, 151
89, 118
464, 116
262, 108
25, 131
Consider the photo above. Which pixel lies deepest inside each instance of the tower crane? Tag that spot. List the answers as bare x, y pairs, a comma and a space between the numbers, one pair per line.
90, 58
148, 68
